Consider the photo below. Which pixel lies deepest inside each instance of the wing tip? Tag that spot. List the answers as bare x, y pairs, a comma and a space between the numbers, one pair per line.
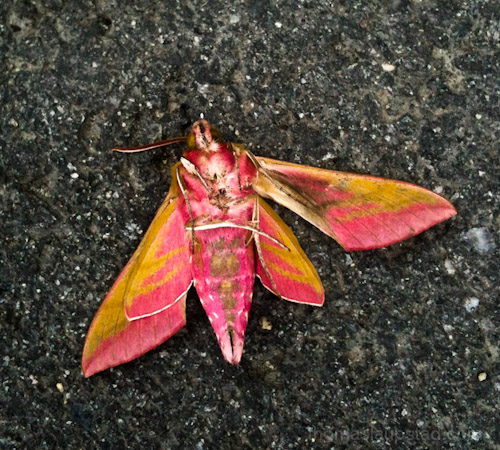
87, 368
92, 367
444, 214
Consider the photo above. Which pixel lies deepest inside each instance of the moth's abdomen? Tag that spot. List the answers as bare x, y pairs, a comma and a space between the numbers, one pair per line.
224, 270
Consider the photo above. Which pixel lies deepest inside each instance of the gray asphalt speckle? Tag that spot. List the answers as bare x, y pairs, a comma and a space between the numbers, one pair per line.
403, 89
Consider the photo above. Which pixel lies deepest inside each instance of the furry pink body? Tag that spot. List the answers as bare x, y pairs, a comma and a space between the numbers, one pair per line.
215, 230
223, 261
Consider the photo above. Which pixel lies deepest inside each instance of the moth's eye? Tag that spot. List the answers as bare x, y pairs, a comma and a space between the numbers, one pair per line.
216, 136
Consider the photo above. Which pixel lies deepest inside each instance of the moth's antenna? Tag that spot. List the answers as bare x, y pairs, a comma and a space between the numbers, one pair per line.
143, 148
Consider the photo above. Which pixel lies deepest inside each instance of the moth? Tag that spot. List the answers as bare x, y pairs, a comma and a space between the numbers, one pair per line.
215, 231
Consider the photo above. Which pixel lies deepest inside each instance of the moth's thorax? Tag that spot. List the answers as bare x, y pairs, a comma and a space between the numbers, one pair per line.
218, 182
214, 164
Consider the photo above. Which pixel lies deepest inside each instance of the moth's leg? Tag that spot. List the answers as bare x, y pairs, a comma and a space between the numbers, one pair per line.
188, 205
255, 219
288, 191
262, 171
236, 157
193, 170
227, 224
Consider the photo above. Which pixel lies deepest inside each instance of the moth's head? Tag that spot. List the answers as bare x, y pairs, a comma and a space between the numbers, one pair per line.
203, 136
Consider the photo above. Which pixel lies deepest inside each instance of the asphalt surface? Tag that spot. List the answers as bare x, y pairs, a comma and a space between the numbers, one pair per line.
404, 353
